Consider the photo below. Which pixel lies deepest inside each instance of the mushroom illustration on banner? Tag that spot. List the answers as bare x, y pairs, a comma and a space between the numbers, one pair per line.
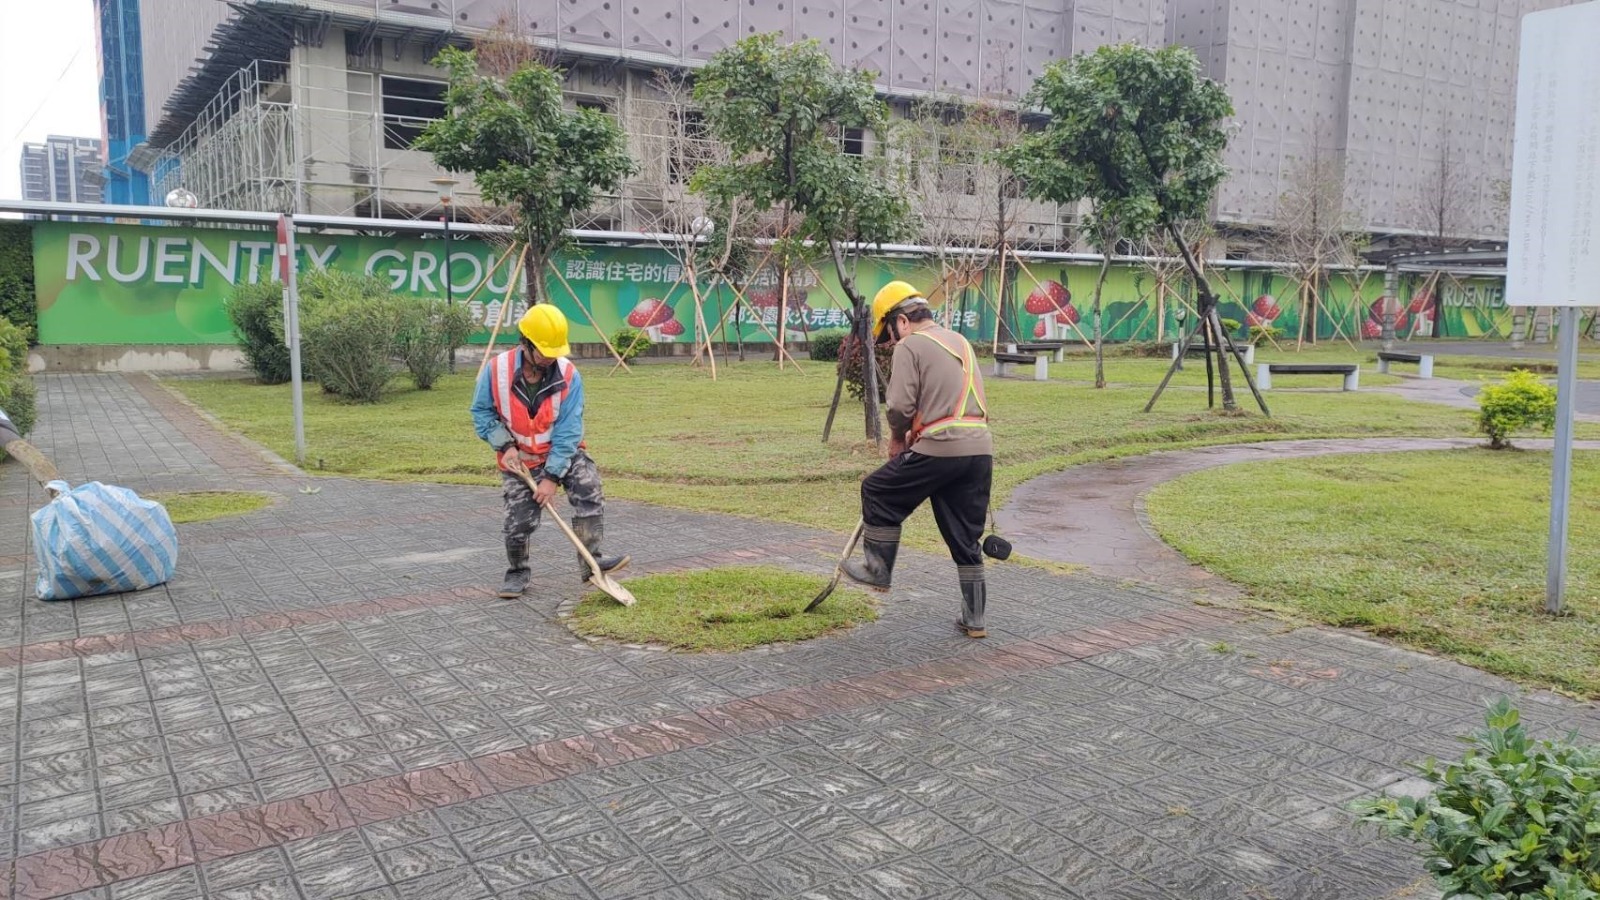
1052, 302
1421, 308
1263, 311
653, 316
1372, 328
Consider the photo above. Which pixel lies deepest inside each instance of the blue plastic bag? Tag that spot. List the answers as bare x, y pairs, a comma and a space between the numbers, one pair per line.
101, 539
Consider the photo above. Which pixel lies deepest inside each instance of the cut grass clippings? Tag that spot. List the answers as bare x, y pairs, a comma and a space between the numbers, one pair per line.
1440, 551
750, 443
187, 507
724, 609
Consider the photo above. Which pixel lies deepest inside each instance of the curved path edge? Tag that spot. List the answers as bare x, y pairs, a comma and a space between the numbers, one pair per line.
1094, 515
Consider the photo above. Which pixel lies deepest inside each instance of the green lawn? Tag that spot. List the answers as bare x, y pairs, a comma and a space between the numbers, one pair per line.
186, 507
1439, 551
750, 443
725, 610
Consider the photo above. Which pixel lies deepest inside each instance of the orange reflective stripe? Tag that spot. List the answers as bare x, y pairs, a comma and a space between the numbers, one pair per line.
973, 393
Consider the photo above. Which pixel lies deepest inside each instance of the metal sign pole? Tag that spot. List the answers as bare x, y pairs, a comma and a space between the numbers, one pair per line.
1555, 584
288, 272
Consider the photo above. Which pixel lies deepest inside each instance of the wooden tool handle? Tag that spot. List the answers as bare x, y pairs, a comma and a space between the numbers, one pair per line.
41, 468
565, 529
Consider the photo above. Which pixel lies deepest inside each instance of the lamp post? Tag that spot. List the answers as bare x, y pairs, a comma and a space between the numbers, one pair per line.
446, 185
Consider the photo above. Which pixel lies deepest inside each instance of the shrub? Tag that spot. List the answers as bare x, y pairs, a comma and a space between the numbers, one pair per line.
855, 376
1259, 333
17, 302
1231, 326
430, 330
348, 338
630, 342
1521, 401
1513, 819
256, 311
17, 395
825, 345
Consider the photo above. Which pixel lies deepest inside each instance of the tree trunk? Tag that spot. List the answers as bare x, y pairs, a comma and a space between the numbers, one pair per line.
862, 328
1208, 302
1099, 337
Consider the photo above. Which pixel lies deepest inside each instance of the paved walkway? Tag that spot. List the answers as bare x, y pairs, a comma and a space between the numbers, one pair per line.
326, 702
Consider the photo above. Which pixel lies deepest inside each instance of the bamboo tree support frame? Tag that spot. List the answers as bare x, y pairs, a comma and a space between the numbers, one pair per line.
586, 314
505, 309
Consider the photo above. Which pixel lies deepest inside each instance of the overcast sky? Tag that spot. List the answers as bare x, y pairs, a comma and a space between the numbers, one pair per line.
49, 78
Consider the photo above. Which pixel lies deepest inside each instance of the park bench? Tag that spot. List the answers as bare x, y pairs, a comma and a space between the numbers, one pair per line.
1424, 362
1350, 371
1057, 349
1041, 364
1248, 351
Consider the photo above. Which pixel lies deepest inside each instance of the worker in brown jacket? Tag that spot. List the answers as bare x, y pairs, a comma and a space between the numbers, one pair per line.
939, 449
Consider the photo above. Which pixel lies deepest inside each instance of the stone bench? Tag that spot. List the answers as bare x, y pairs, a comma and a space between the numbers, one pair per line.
1041, 364
1057, 349
1423, 361
1248, 351
1265, 371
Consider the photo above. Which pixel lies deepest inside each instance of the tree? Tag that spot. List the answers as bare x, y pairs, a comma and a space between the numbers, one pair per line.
1443, 197
783, 111
965, 197
1139, 133
1313, 231
526, 151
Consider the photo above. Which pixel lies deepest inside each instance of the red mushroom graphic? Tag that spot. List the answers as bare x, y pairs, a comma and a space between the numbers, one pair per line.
671, 328
1373, 327
1041, 329
651, 314
1421, 307
1051, 299
1262, 312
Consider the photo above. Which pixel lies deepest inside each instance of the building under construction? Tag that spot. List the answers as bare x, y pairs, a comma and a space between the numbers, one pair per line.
312, 106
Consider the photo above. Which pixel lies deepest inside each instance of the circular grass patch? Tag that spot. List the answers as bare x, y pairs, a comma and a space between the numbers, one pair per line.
187, 507
723, 609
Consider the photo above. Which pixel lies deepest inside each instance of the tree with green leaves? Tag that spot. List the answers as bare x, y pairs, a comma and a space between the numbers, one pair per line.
527, 152
783, 110
1139, 133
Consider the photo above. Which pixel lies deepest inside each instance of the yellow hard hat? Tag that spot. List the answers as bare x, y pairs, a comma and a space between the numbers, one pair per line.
890, 296
546, 329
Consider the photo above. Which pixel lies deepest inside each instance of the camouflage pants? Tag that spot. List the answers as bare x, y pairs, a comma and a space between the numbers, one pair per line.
582, 484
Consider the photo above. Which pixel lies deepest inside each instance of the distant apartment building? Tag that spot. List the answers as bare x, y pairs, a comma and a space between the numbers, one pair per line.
64, 169
312, 105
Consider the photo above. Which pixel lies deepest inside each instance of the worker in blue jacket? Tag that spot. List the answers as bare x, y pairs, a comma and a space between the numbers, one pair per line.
529, 408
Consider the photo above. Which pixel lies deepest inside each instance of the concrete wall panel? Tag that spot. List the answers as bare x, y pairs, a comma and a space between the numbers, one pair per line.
914, 25
959, 26
1002, 47
709, 26
867, 37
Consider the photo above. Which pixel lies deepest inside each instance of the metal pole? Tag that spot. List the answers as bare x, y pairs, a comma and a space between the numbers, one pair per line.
449, 289
291, 329
1555, 584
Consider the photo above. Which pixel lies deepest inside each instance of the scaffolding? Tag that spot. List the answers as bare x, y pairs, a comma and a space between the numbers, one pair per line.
310, 139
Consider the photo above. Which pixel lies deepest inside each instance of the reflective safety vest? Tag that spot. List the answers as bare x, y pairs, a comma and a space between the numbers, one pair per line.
973, 394
531, 431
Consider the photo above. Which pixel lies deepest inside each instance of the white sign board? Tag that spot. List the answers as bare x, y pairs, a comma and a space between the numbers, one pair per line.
1554, 252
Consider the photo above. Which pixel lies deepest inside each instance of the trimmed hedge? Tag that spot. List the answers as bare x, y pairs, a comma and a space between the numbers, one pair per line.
18, 305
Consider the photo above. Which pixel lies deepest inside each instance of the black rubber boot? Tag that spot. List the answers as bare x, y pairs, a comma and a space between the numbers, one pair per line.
880, 544
517, 569
592, 530
974, 597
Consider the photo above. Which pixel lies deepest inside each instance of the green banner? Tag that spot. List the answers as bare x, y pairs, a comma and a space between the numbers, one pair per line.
127, 284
